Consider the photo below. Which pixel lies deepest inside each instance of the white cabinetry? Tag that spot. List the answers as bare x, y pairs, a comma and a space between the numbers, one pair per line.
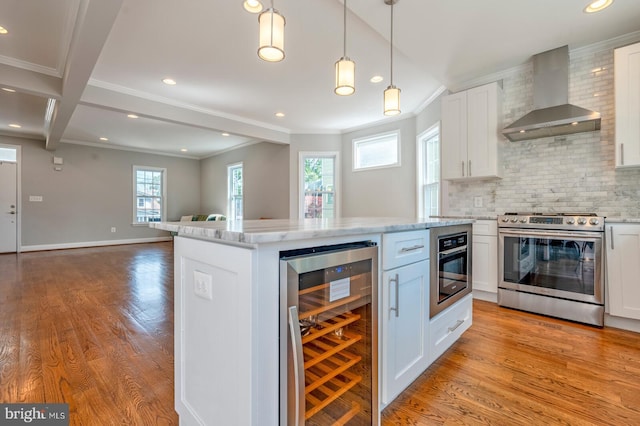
405, 310
448, 326
470, 133
485, 256
627, 105
623, 269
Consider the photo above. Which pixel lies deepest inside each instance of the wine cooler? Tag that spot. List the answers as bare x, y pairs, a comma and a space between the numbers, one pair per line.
328, 362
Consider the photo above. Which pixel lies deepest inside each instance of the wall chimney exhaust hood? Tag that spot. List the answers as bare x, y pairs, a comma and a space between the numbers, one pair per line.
552, 114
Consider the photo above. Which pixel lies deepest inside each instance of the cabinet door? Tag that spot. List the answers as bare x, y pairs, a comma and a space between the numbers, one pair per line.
485, 263
405, 319
454, 136
482, 131
623, 270
627, 105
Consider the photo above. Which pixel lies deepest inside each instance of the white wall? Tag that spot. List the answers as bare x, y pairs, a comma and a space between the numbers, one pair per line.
265, 173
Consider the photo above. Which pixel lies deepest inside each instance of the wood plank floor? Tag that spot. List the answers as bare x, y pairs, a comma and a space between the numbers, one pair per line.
94, 328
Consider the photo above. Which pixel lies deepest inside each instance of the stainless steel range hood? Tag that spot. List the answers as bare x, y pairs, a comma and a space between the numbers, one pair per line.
553, 115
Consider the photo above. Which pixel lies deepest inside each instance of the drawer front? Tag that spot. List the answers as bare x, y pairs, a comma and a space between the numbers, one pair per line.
485, 227
403, 248
448, 326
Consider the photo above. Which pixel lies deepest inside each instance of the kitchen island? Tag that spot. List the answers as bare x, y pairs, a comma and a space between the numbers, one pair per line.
227, 308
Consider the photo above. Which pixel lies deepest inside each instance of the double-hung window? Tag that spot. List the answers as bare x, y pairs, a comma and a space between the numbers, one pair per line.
234, 192
429, 187
319, 181
149, 194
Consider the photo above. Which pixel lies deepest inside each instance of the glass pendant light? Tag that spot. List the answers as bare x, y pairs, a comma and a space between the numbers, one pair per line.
271, 35
252, 6
345, 67
392, 93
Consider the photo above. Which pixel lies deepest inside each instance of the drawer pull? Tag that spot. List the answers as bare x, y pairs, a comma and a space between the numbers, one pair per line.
412, 248
458, 324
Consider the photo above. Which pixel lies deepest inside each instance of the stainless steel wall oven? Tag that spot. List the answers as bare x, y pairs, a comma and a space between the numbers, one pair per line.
552, 264
329, 330
450, 266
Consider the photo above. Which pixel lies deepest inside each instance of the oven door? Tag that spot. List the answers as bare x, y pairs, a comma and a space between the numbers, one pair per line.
452, 272
553, 263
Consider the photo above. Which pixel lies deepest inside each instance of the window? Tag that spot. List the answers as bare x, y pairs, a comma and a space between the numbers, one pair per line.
234, 199
429, 172
149, 194
9, 155
377, 151
319, 179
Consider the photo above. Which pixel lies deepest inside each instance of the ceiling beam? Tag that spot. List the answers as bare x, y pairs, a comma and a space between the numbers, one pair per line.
93, 25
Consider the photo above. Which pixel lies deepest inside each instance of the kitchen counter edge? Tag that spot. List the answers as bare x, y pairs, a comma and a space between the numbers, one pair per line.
276, 230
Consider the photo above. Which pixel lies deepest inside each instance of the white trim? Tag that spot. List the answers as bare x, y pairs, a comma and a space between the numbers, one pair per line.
85, 244
134, 191
371, 138
432, 130
430, 99
336, 178
18, 149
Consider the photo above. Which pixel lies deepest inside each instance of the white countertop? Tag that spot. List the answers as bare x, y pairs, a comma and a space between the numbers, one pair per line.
621, 220
274, 230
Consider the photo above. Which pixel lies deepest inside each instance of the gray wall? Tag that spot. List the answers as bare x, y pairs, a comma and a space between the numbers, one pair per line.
93, 192
265, 174
386, 191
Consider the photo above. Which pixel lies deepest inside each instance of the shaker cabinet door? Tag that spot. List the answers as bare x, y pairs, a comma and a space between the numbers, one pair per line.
627, 105
623, 270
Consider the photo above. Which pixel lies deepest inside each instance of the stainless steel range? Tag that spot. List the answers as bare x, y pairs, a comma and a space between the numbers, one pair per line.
552, 264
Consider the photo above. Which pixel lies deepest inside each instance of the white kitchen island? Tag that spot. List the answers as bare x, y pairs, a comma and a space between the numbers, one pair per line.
227, 303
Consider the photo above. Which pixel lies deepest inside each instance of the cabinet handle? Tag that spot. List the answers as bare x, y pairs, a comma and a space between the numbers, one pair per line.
622, 154
469, 171
298, 365
458, 324
611, 233
463, 169
397, 308
412, 248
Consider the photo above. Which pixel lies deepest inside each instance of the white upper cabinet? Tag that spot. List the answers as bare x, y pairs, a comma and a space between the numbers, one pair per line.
470, 133
627, 94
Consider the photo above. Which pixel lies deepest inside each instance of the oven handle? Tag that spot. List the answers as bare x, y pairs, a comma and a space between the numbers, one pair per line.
452, 251
546, 233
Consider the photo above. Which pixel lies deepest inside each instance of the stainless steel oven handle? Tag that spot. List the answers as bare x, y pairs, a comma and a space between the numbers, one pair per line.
298, 365
412, 248
536, 233
452, 251
397, 307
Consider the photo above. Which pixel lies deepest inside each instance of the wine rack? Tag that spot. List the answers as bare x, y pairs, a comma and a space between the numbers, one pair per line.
329, 350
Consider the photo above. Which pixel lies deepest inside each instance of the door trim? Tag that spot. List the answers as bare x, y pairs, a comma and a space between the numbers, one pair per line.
18, 149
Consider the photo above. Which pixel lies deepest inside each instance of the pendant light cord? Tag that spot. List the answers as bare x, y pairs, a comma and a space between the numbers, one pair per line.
391, 44
345, 30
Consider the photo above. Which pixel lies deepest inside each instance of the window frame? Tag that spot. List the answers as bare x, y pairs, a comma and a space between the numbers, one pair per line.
421, 139
372, 138
163, 197
230, 196
302, 155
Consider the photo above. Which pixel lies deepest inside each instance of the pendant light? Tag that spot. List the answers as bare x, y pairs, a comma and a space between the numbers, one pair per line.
271, 35
345, 67
392, 94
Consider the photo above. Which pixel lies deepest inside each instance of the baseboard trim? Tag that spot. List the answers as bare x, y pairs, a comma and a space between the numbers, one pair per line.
85, 244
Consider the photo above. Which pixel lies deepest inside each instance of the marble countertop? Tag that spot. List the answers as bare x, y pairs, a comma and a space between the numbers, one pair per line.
275, 230
622, 220
471, 217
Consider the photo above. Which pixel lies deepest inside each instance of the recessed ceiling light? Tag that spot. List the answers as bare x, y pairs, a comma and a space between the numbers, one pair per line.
225, 134
132, 116
169, 81
184, 149
6, 89
3, 30
15, 126
253, 6
104, 139
376, 79
279, 114
597, 6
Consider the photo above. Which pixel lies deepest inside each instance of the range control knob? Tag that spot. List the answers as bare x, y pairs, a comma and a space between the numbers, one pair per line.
514, 219
505, 219
594, 221
523, 220
582, 221
571, 221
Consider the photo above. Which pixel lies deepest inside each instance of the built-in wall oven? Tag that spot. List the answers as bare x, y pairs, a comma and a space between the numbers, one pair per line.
552, 264
450, 266
329, 330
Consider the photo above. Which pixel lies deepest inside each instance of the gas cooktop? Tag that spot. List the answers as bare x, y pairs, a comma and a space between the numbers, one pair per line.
585, 221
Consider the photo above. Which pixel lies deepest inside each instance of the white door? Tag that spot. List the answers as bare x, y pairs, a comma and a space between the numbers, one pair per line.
8, 207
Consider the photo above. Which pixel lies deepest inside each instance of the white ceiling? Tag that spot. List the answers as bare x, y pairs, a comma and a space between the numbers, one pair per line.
103, 59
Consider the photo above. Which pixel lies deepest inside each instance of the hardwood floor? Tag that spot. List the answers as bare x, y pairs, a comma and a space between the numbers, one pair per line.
94, 328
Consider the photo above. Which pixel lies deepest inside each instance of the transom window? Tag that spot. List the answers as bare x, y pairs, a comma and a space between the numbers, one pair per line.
377, 151
149, 194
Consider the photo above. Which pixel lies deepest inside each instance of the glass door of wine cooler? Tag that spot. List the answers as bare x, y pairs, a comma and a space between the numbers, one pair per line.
332, 332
